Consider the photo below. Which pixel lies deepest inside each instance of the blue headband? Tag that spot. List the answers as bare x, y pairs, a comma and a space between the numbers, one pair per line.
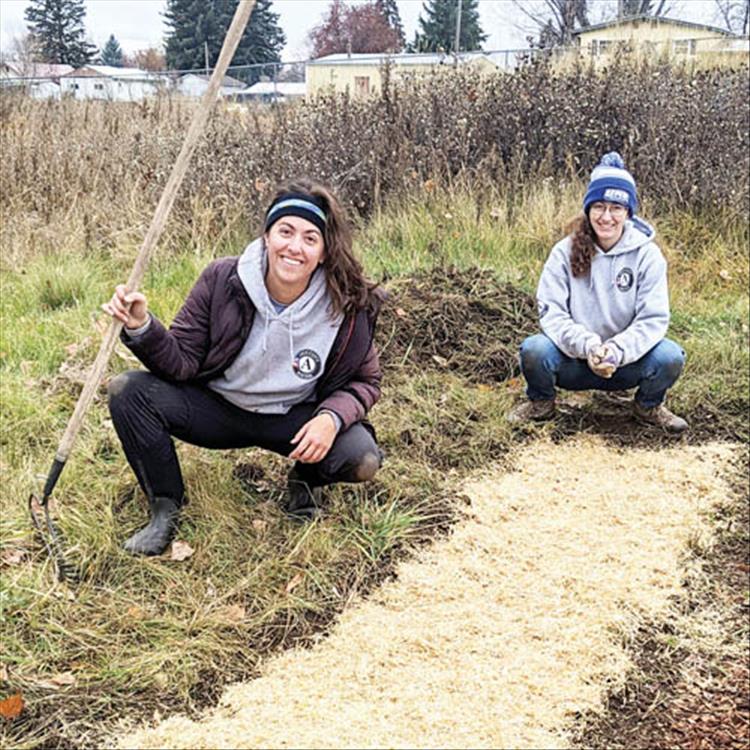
298, 204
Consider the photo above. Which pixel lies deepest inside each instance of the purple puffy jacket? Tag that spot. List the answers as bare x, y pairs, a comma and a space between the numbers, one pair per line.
213, 324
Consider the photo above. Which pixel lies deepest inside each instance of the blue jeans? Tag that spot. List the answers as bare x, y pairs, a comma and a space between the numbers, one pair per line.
544, 366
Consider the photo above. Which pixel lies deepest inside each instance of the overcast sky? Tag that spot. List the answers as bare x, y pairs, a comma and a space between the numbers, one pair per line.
138, 23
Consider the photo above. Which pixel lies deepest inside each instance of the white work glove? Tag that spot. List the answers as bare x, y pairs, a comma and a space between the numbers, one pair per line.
603, 360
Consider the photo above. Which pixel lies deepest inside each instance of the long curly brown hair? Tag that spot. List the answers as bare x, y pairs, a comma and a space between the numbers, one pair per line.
348, 288
582, 248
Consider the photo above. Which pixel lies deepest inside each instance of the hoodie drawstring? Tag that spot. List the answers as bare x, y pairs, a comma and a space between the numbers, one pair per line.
269, 313
291, 335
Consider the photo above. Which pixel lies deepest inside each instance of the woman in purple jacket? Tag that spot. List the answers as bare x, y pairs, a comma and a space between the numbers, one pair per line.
273, 348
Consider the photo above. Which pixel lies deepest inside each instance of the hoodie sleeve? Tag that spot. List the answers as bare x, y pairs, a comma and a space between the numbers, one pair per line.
651, 319
553, 298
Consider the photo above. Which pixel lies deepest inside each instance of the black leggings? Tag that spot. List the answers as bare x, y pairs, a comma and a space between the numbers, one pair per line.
147, 411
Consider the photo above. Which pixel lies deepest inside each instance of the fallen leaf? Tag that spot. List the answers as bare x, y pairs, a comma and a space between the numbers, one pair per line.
260, 185
161, 680
294, 583
12, 556
724, 274
135, 612
442, 361
484, 387
11, 707
63, 679
232, 613
181, 551
3, 673
401, 312
259, 525
514, 383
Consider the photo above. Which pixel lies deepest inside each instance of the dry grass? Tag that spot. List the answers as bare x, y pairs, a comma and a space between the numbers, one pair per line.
97, 168
499, 635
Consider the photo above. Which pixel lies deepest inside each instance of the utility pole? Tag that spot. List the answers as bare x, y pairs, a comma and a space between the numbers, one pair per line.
457, 45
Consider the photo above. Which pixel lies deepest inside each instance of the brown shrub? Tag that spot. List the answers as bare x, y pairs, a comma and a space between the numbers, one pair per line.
682, 132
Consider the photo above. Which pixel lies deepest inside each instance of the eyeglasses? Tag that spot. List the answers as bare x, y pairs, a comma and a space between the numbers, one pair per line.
616, 211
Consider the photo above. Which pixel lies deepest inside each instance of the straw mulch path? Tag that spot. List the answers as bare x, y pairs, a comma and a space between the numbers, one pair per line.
502, 633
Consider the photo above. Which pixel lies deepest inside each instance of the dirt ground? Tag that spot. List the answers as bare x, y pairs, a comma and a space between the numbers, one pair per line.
507, 632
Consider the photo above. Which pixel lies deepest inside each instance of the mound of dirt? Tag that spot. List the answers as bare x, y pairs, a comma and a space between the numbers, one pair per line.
460, 320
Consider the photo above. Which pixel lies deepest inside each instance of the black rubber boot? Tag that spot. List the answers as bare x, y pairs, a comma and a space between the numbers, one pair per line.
155, 538
302, 500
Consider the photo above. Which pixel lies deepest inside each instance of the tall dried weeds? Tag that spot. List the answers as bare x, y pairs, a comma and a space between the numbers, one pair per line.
90, 172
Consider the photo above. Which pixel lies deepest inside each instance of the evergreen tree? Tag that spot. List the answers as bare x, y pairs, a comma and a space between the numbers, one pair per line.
112, 53
58, 31
198, 28
438, 27
389, 9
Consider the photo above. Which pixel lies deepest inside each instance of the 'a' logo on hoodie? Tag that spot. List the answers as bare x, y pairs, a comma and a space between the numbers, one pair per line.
624, 279
306, 364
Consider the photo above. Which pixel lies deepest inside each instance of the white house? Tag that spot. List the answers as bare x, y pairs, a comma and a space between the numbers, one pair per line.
195, 85
112, 84
270, 91
40, 80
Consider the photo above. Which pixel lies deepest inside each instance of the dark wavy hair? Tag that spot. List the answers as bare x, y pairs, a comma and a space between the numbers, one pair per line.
348, 288
582, 248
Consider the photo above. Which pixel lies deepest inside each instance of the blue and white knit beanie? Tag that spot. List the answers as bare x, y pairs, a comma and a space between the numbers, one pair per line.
611, 182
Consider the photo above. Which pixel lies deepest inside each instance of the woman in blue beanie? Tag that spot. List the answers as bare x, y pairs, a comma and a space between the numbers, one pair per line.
604, 309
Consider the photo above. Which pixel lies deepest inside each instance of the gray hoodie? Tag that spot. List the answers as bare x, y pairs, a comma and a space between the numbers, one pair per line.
623, 300
285, 353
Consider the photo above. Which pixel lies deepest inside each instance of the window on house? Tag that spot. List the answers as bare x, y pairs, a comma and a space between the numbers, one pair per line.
684, 46
99, 86
362, 85
600, 47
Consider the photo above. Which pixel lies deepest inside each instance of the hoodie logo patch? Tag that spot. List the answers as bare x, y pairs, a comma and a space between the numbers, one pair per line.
306, 364
624, 279
543, 307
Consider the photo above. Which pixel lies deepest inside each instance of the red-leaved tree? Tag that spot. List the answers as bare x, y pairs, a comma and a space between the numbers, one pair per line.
359, 28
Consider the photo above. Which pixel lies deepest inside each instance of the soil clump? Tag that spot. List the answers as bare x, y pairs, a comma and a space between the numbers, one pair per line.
463, 321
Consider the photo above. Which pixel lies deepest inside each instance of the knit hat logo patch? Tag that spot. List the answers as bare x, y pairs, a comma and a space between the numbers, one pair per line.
613, 195
625, 279
306, 364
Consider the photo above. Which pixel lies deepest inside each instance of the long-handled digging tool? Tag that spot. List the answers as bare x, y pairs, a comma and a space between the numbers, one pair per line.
46, 527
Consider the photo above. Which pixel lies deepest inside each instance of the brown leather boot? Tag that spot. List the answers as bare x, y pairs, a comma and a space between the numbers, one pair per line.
532, 411
659, 416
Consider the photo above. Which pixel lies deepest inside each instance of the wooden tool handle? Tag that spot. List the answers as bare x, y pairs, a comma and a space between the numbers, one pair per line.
197, 125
